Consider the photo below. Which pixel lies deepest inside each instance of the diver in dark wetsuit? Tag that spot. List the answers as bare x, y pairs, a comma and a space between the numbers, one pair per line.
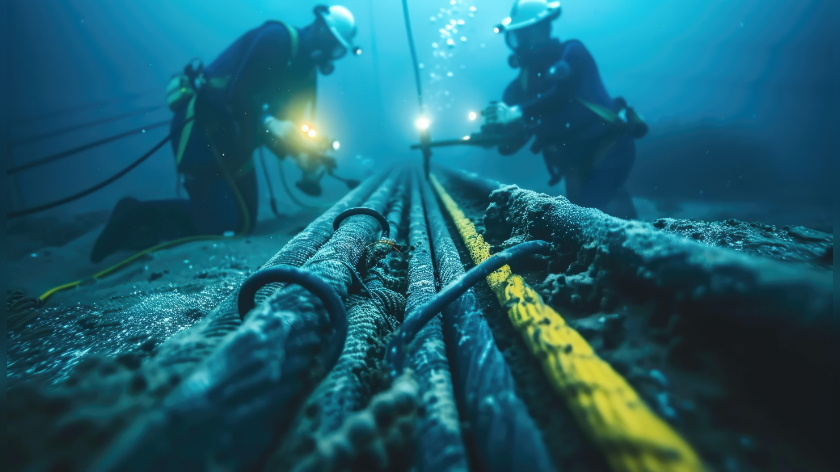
221, 117
558, 97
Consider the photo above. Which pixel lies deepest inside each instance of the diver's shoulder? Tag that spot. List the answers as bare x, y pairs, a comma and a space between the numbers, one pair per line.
272, 29
575, 46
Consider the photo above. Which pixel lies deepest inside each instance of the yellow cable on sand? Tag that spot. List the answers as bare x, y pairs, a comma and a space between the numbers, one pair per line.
606, 407
246, 226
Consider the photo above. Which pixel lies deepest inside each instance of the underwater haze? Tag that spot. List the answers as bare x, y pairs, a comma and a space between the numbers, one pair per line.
427, 235
737, 94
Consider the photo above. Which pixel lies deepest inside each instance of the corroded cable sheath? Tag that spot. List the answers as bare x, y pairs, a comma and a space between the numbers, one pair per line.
311, 282
386, 228
440, 439
606, 407
422, 314
504, 433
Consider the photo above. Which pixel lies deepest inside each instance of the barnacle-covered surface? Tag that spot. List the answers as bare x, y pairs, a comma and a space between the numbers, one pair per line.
716, 340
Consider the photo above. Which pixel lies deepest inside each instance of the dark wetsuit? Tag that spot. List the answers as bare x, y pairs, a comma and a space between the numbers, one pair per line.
257, 69
216, 161
568, 133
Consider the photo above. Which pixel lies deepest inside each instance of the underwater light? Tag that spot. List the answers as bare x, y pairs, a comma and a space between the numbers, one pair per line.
466, 138
496, 29
336, 145
506, 21
304, 128
472, 115
311, 133
422, 123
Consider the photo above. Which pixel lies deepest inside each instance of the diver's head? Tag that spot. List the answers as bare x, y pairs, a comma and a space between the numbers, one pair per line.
529, 25
331, 36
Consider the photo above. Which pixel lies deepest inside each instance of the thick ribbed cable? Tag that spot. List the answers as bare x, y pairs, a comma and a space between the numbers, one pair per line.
440, 446
236, 402
347, 388
505, 434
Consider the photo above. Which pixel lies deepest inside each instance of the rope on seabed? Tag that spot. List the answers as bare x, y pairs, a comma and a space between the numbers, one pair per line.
606, 407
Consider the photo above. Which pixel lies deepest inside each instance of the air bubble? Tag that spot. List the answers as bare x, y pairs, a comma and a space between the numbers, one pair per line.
473, 8
433, 19
460, 22
463, 39
421, 65
449, 74
450, 42
434, 45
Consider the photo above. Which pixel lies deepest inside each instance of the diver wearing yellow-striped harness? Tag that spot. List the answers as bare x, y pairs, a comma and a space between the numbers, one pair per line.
221, 117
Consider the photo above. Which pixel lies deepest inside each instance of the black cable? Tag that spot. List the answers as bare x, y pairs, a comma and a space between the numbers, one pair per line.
84, 147
383, 222
291, 195
268, 182
311, 282
77, 127
413, 322
413, 53
79, 108
103, 184
424, 133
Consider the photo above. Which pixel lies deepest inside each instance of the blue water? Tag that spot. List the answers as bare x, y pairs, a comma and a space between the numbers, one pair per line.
738, 94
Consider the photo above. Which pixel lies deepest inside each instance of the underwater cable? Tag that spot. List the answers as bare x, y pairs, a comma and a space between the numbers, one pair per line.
414, 322
605, 406
273, 200
84, 147
79, 108
291, 195
58, 132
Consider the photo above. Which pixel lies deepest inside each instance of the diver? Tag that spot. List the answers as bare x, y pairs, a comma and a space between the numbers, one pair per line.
582, 133
257, 92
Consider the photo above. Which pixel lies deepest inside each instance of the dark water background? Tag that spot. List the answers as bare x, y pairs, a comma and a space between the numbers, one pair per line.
738, 93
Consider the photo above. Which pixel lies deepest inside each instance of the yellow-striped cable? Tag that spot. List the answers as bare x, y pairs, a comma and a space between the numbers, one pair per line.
605, 406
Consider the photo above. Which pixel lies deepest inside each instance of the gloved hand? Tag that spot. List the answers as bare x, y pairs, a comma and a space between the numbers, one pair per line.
501, 113
282, 130
290, 137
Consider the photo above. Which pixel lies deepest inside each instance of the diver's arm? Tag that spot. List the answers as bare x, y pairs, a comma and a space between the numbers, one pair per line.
514, 144
278, 136
565, 74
